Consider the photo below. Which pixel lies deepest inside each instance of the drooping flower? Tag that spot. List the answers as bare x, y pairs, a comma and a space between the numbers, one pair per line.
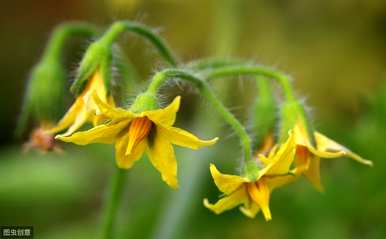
84, 109
308, 154
133, 133
252, 195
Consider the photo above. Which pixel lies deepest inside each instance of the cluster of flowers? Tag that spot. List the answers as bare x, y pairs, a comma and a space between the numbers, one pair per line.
145, 127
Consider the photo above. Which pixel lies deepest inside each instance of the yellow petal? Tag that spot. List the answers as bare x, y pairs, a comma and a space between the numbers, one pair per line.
226, 183
301, 136
226, 203
69, 117
106, 134
97, 84
280, 162
165, 116
81, 118
162, 156
98, 119
313, 173
111, 111
251, 210
327, 148
274, 182
127, 161
259, 192
183, 138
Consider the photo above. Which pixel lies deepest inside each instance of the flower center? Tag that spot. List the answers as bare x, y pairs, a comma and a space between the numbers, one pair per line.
138, 130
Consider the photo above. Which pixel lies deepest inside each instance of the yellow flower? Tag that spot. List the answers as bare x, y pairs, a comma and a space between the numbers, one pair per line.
254, 195
308, 156
84, 108
134, 133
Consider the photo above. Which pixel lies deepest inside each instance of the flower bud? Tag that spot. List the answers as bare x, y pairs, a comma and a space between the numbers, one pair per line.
44, 99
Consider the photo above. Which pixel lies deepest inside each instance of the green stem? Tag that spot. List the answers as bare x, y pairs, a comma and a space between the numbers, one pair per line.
207, 92
254, 70
61, 33
119, 27
212, 63
264, 111
112, 205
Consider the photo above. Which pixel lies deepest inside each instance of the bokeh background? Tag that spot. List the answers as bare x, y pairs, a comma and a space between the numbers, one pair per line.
335, 51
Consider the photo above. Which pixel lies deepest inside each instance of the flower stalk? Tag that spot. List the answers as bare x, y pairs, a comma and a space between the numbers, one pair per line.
58, 38
113, 202
247, 69
121, 26
206, 91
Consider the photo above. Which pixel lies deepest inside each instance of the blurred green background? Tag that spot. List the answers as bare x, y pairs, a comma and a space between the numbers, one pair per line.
335, 51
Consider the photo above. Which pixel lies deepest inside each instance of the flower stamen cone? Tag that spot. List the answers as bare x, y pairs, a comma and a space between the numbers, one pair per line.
138, 130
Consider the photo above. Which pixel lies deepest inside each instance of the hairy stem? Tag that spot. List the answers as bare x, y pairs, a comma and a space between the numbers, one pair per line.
207, 92
113, 201
61, 33
121, 26
246, 69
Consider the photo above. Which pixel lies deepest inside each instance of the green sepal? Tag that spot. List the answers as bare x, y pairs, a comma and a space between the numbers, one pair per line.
251, 170
98, 54
44, 98
144, 102
291, 112
106, 68
128, 76
264, 111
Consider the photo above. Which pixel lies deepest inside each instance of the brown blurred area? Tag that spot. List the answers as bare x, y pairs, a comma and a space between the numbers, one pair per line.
333, 49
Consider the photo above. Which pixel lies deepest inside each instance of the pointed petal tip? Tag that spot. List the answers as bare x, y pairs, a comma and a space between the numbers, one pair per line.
177, 99
173, 185
213, 168
125, 166
368, 163
247, 213
61, 137
210, 141
210, 206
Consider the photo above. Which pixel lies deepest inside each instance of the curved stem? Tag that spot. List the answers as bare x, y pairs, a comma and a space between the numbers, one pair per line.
112, 204
207, 92
61, 33
212, 63
254, 70
119, 27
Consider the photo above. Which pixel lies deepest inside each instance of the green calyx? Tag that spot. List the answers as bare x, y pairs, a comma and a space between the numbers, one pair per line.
264, 111
291, 113
98, 55
251, 170
144, 102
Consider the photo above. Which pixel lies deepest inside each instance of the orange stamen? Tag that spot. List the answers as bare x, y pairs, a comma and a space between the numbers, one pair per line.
138, 130
302, 159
